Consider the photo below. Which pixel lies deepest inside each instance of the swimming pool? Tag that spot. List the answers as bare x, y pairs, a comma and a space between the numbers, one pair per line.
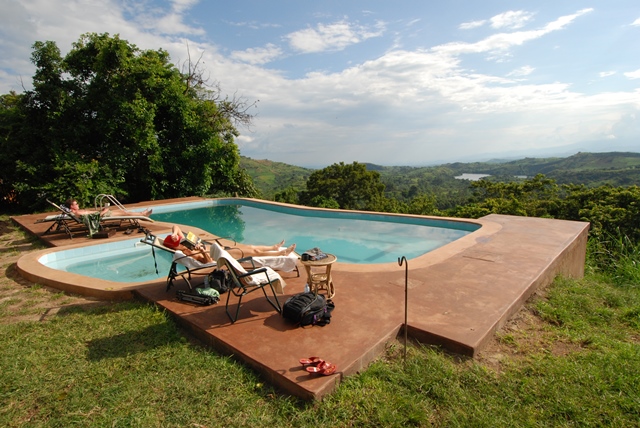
354, 237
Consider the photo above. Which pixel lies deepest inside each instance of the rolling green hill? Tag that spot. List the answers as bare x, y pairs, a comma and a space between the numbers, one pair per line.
272, 177
403, 182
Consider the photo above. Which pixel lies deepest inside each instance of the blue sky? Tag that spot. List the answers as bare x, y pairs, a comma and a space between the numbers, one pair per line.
406, 82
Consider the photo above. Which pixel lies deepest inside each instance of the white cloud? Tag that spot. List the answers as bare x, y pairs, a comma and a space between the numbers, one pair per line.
254, 25
471, 25
633, 74
511, 19
522, 71
169, 22
258, 55
332, 37
502, 42
180, 6
508, 20
606, 73
636, 23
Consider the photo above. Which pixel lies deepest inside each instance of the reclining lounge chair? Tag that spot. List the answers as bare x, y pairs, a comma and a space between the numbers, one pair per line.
104, 201
186, 267
182, 265
247, 281
66, 219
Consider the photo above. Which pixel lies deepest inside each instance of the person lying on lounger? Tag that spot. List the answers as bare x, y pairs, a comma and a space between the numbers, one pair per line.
201, 253
73, 206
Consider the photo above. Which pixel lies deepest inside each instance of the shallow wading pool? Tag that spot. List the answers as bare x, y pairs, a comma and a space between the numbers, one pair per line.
354, 237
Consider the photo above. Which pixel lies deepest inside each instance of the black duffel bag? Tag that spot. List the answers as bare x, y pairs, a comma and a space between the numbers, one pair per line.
308, 309
219, 280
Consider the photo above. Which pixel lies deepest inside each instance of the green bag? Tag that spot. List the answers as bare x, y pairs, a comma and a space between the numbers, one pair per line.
208, 291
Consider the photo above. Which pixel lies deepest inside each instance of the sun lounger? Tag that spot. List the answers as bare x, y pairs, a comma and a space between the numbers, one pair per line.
182, 265
247, 281
66, 219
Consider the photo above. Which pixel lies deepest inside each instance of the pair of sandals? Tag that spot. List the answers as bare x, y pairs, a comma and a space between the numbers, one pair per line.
316, 365
140, 230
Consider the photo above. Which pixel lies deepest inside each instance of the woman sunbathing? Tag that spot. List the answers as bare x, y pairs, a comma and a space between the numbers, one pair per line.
201, 254
73, 206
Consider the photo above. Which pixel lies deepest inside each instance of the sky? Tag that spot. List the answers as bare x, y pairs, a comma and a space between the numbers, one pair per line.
405, 82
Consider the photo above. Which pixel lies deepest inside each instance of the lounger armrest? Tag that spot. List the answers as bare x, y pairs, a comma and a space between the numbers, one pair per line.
226, 247
248, 260
227, 238
253, 272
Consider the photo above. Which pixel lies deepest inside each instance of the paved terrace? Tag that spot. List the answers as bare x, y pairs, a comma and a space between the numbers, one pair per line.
459, 295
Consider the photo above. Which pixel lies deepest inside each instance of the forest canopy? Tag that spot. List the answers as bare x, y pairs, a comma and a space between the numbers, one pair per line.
111, 118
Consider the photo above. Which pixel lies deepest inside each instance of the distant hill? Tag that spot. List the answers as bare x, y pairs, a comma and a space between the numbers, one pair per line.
272, 177
591, 169
403, 182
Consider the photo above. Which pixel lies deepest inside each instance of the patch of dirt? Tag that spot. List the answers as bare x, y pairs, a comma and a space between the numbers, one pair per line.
22, 300
523, 335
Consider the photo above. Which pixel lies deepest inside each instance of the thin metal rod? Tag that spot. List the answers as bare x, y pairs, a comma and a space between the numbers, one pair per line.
406, 300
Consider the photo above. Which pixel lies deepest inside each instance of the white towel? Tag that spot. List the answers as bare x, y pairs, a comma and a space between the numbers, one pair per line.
56, 217
189, 262
218, 252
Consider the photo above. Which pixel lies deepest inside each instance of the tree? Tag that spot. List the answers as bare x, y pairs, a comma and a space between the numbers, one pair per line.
111, 118
288, 196
535, 197
11, 124
349, 187
612, 211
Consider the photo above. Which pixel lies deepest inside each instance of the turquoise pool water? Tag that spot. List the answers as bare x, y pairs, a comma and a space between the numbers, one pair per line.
119, 261
359, 238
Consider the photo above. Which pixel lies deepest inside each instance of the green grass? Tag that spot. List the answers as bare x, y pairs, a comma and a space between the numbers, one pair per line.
128, 364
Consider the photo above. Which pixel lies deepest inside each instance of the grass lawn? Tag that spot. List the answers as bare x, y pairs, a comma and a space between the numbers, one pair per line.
571, 357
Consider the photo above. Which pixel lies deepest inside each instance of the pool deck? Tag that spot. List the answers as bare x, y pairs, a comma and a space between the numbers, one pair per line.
458, 296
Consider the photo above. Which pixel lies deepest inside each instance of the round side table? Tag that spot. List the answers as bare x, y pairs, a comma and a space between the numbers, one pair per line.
319, 275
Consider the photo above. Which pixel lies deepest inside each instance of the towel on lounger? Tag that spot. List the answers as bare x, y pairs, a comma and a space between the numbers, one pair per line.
189, 262
283, 263
217, 252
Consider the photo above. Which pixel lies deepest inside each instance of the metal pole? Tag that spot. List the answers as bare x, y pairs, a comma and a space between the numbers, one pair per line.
406, 300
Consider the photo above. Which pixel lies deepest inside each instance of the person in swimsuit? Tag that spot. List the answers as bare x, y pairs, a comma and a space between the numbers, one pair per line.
73, 206
201, 253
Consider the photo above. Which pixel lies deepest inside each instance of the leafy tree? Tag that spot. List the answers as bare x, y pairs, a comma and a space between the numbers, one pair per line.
288, 196
535, 197
11, 126
612, 211
126, 121
349, 187
423, 204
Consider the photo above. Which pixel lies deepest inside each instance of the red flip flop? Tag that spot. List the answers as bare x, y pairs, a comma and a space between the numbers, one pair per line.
323, 368
311, 360
329, 370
